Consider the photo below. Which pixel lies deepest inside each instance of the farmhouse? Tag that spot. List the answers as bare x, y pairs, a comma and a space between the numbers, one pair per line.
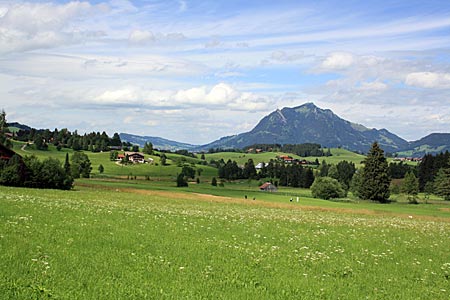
136, 157
268, 187
286, 159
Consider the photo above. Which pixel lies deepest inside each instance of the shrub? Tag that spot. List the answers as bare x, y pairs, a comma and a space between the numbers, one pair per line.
327, 188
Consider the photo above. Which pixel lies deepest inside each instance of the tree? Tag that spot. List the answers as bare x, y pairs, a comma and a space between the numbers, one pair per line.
53, 176
355, 184
148, 148
308, 178
13, 172
411, 187
101, 169
327, 188
323, 169
181, 180
188, 172
113, 155
81, 165
442, 183
115, 140
214, 181
67, 164
3, 130
163, 159
345, 170
375, 179
249, 169
333, 172
40, 143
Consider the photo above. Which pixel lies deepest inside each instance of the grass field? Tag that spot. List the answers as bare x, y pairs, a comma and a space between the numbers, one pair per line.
117, 238
123, 242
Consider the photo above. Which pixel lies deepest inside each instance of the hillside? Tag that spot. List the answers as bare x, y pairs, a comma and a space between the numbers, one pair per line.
432, 144
158, 142
309, 124
303, 124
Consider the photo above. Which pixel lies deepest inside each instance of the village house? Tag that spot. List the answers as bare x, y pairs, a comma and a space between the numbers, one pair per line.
136, 157
416, 159
268, 187
286, 159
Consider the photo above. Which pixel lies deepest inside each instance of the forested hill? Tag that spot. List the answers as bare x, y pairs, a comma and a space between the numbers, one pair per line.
433, 144
158, 143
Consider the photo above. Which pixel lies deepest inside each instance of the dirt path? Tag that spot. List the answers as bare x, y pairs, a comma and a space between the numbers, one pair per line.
266, 204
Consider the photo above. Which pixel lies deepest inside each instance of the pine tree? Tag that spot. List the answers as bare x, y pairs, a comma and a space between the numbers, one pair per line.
148, 148
67, 165
375, 179
411, 187
442, 183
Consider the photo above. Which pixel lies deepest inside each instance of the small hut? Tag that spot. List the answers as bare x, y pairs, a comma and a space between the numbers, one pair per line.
268, 187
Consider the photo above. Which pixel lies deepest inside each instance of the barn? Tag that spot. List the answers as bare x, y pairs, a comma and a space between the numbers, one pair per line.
268, 187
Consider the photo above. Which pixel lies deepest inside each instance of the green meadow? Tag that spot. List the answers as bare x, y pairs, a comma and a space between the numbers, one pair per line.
106, 242
116, 237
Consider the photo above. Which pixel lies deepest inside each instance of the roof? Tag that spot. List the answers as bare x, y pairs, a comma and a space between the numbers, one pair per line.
266, 185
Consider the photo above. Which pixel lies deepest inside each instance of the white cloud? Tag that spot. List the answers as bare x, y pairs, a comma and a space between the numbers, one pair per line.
219, 96
141, 37
28, 26
428, 80
374, 86
282, 56
338, 61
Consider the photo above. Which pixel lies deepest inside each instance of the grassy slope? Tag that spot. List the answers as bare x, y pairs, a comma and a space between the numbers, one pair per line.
108, 244
112, 169
241, 158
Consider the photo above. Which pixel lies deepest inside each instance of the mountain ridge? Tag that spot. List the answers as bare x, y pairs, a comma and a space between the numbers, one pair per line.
308, 123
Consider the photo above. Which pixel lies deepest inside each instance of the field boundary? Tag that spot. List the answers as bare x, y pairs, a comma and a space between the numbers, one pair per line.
258, 203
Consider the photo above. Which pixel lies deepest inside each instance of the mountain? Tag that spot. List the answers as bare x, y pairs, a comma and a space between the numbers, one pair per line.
309, 124
158, 143
433, 144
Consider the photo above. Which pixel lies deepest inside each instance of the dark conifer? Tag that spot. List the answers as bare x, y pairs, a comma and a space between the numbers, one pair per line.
375, 178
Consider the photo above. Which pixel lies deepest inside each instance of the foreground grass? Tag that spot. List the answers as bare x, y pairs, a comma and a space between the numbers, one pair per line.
125, 244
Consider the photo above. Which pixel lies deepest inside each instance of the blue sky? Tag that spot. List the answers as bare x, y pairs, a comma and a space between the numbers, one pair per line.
195, 71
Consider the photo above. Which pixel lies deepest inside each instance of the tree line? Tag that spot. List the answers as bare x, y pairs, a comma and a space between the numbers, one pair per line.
94, 141
304, 150
49, 173
277, 172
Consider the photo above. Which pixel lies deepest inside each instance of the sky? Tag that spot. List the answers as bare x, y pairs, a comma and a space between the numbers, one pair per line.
195, 71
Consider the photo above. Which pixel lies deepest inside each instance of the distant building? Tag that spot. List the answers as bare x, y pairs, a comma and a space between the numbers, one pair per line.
268, 187
261, 165
136, 157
